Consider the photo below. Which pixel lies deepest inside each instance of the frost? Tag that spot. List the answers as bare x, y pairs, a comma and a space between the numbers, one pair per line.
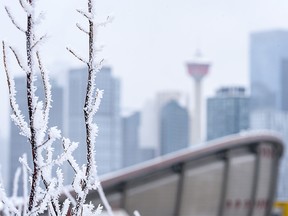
88, 210
54, 133
43, 182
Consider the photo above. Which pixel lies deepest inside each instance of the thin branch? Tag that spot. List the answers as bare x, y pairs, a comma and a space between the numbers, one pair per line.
13, 20
87, 15
20, 62
18, 117
77, 56
82, 29
39, 19
39, 41
26, 7
47, 88
108, 20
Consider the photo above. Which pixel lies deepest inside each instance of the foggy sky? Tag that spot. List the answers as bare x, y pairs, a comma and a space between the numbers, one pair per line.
149, 41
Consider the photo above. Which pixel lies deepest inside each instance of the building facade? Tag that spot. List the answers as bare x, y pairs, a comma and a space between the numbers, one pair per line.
174, 127
227, 112
133, 153
150, 123
269, 70
268, 82
108, 142
276, 121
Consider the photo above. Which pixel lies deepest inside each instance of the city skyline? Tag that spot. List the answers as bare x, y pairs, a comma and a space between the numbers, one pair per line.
219, 29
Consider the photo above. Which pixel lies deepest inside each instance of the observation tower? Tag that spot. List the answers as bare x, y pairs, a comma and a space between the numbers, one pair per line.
197, 68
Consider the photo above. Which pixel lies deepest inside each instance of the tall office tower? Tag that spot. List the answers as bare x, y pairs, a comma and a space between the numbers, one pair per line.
130, 136
227, 112
150, 120
133, 153
268, 80
19, 144
174, 127
274, 120
269, 70
108, 142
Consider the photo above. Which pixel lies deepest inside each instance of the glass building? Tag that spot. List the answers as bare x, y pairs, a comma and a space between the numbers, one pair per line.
269, 70
174, 127
108, 142
227, 112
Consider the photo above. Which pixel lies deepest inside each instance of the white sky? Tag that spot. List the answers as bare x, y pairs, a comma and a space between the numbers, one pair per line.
150, 40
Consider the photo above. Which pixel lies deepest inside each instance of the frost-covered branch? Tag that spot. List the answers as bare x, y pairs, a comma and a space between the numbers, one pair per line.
82, 29
39, 41
88, 179
77, 56
13, 20
19, 60
40, 197
37, 197
47, 89
16, 116
87, 15
108, 20
26, 6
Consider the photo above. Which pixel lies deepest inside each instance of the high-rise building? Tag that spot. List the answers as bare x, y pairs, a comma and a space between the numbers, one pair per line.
227, 112
130, 136
174, 127
19, 144
275, 121
133, 153
108, 142
150, 123
268, 82
269, 70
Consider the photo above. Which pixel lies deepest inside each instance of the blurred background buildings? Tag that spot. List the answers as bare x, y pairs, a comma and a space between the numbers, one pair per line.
165, 123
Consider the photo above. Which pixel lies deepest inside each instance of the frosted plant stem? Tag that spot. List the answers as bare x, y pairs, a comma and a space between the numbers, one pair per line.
31, 108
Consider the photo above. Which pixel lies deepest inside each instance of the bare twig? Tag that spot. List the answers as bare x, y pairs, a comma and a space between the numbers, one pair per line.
13, 20
20, 63
19, 119
88, 15
108, 20
47, 88
77, 56
25, 5
82, 29
39, 41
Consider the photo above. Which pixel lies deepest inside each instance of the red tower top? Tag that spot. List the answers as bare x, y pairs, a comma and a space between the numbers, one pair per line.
198, 67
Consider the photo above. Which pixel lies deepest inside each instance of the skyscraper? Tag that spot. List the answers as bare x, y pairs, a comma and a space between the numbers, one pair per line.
133, 152
269, 70
174, 127
108, 141
19, 144
275, 121
268, 80
130, 135
227, 112
150, 123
